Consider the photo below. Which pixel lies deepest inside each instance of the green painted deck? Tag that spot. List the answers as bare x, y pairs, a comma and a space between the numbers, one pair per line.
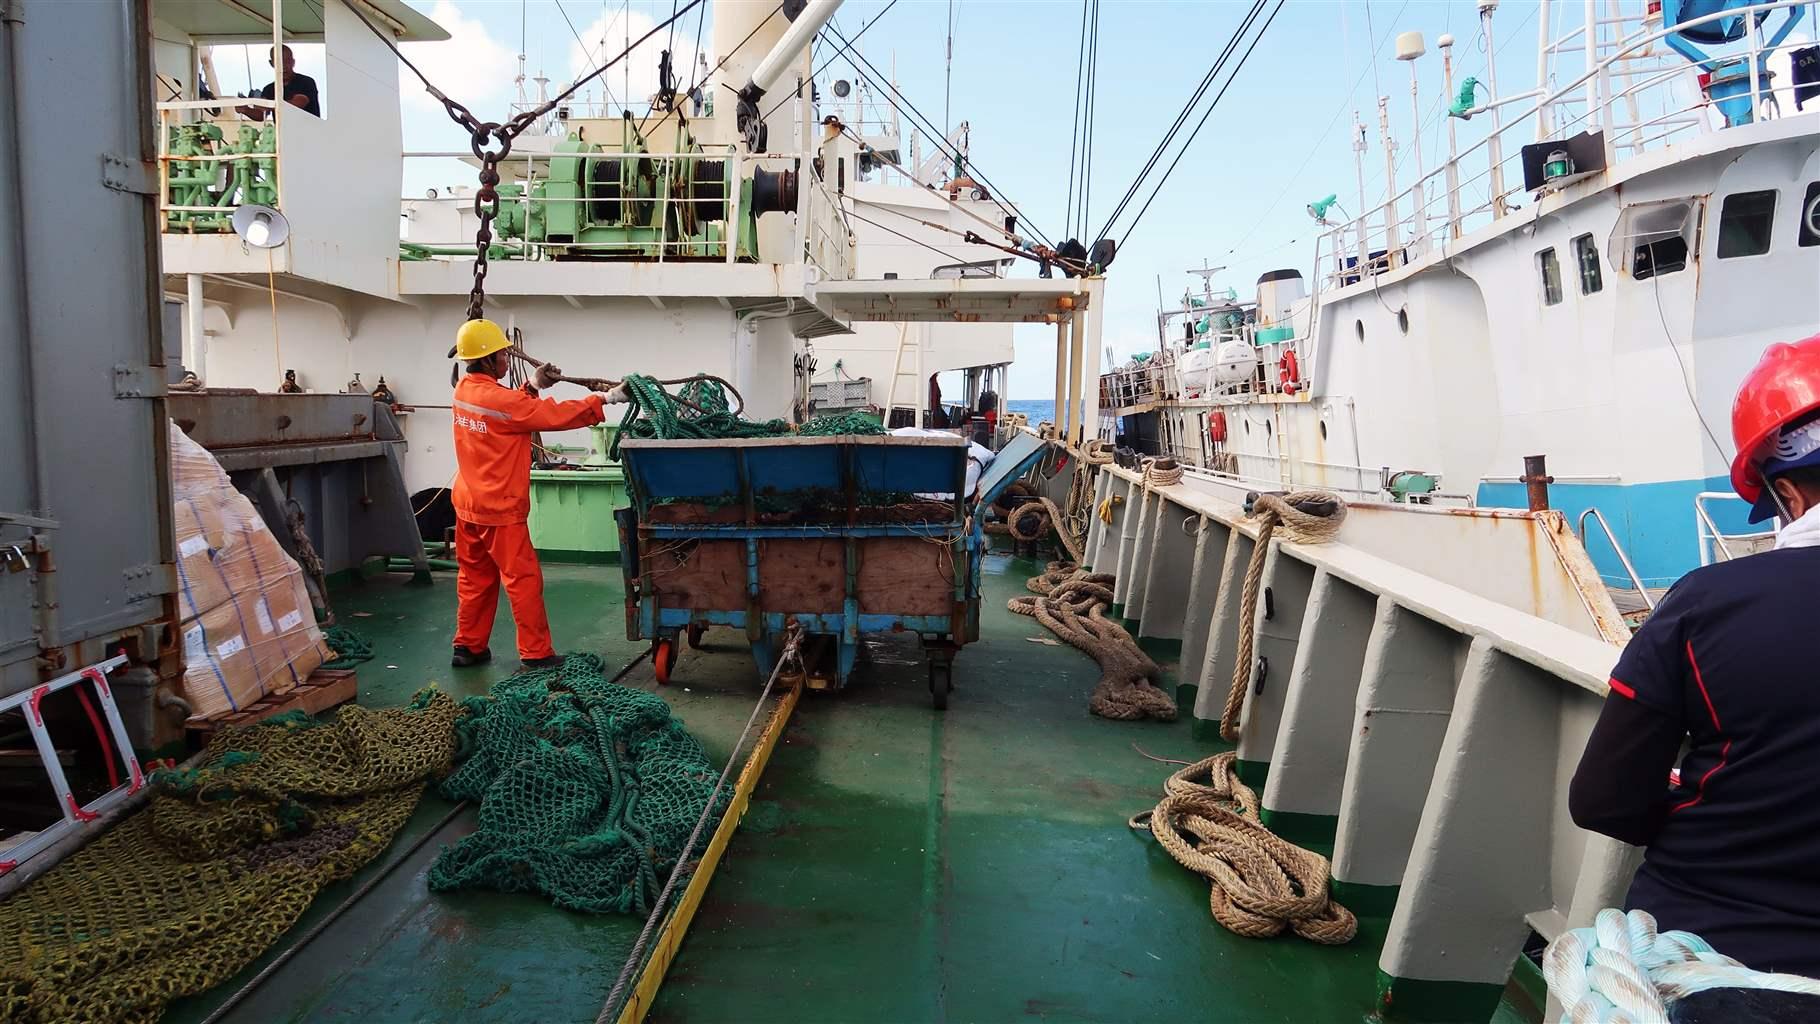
898, 864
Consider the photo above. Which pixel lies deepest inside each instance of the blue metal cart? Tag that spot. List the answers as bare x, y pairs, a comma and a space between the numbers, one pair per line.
840, 535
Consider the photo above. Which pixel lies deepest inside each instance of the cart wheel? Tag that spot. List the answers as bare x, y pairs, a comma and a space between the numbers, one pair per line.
696, 632
941, 683
663, 658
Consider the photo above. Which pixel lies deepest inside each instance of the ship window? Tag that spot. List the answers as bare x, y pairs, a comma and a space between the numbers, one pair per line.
1653, 238
1810, 215
1586, 260
1551, 276
1744, 223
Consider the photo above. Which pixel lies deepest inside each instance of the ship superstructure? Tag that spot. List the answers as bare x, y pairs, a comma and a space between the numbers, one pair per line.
1587, 281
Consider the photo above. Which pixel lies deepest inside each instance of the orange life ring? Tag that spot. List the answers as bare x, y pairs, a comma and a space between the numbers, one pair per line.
1216, 426
1289, 373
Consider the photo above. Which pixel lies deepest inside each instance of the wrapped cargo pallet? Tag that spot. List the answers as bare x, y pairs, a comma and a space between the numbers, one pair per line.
248, 631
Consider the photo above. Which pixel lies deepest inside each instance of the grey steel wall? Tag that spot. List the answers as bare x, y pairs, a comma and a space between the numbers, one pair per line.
81, 360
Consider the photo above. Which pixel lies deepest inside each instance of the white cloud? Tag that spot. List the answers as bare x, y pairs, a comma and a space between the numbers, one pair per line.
474, 68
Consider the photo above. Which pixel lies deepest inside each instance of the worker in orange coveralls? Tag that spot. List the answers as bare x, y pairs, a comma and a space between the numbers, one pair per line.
492, 493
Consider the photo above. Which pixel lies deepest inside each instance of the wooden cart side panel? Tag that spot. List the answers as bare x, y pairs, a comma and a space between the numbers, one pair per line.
700, 575
808, 576
905, 576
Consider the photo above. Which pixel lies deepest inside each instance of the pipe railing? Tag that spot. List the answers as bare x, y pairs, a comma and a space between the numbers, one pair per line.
1376, 227
1623, 559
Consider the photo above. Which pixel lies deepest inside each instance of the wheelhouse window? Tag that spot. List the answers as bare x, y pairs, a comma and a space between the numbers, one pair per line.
1551, 276
1810, 216
1586, 261
1745, 220
1653, 238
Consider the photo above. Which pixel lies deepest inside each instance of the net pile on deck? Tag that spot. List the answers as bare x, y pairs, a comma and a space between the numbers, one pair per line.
1072, 604
587, 789
700, 409
350, 646
223, 860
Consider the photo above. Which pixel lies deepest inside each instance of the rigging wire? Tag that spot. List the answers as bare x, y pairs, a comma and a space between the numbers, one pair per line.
1132, 227
1091, 123
1181, 118
918, 241
856, 59
1074, 141
823, 66
1316, 148
586, 53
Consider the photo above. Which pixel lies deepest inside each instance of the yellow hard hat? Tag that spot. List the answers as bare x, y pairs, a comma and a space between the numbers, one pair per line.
479, 338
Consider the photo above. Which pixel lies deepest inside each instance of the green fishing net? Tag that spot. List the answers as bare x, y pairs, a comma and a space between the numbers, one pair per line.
701, 409
220, 863
588, 790
350, 647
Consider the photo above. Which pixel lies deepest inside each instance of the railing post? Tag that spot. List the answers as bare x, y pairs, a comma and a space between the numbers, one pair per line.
1494, 144
735, 183
1390, 183
1454, 228
1535, 477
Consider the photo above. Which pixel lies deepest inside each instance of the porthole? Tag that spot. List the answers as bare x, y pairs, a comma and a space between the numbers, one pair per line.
1403, 319
1247, 424
1323, 430
1359, 326
1267, 430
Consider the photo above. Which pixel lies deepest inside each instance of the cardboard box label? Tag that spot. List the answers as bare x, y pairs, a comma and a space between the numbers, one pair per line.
290, 621
231, 647
194, 649
265, 616
193, 545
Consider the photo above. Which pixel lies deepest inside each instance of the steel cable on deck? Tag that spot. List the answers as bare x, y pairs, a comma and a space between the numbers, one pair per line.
616, 997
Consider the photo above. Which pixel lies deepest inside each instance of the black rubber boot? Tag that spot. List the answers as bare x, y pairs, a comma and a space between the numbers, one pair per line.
464, 658
552, 661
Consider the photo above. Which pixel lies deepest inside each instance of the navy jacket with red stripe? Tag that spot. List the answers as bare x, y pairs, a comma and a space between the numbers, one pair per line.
1728, 667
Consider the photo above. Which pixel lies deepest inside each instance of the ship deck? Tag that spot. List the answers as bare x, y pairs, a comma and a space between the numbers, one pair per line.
897, 864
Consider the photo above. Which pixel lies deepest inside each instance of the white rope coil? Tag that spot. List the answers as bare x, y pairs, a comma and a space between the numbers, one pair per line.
1623, 971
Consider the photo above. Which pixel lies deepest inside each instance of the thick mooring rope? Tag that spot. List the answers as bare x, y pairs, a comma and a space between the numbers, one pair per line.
1034, 520
1161, 472
1072, 605
1623, 970
1270, 511
1261, 884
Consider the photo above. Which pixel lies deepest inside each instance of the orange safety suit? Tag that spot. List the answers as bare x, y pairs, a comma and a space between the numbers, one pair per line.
492, 498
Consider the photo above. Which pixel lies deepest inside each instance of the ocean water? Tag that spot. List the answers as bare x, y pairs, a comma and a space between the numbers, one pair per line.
1038, 409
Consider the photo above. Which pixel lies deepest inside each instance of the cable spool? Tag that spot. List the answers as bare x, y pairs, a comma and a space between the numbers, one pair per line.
709, 190
604, 190
773, 191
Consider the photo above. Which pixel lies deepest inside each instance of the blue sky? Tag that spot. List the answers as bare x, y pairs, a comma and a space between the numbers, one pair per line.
1278, 139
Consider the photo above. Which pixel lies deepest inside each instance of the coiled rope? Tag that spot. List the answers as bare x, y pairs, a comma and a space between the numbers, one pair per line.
1271, 511
1072, 605
1260, 883
1096, 452
1161, 472
1623, 971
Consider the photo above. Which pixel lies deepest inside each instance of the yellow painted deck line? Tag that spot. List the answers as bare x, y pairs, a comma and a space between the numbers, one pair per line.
663, 953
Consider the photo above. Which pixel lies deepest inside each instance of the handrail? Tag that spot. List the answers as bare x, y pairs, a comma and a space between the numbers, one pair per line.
1362, 226
1706, 529
1623, 559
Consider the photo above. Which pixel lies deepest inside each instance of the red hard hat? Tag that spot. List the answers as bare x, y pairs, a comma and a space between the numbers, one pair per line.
1784, 386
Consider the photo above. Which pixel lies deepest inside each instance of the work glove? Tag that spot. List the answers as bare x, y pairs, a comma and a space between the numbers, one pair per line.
547, 374
615, 394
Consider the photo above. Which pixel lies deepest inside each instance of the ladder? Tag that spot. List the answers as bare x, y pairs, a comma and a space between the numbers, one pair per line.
920, 395
75, 814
